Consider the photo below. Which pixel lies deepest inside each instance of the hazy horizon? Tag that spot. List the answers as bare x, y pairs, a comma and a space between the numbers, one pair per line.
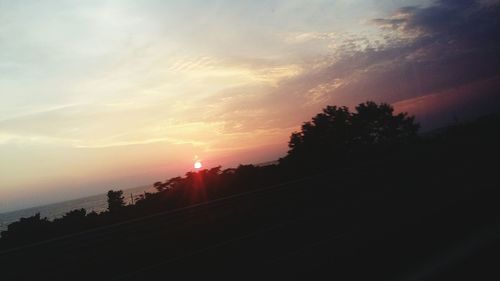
131, 182
114, 94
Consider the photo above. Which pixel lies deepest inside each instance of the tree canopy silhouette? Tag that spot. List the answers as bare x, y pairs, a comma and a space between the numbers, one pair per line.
336, 130
115, 200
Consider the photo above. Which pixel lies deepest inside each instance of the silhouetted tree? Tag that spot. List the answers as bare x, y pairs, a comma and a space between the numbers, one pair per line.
92, 215
160, 186
330, 128
376, 123
335, 131
25, 228
115, 200
174, 182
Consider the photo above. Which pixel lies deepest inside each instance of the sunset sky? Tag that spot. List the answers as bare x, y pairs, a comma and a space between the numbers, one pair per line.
100, 94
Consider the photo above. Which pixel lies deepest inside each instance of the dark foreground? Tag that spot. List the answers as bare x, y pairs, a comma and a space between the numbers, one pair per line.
287, 232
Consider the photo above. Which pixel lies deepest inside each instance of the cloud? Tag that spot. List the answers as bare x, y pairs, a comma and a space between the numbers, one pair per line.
424, 50
420, 51
417, 51
302, 37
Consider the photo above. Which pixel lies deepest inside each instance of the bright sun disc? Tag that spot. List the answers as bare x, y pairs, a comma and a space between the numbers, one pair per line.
197, 164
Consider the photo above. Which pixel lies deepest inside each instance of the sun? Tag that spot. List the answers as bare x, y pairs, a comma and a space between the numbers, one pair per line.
197, 164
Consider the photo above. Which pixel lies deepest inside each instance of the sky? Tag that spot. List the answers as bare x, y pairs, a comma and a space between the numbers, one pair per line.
102, 94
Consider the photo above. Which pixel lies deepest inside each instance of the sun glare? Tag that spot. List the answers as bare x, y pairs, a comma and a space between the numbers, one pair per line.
197, 164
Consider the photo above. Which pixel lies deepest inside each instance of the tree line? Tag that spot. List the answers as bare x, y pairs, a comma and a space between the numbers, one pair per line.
334, 140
